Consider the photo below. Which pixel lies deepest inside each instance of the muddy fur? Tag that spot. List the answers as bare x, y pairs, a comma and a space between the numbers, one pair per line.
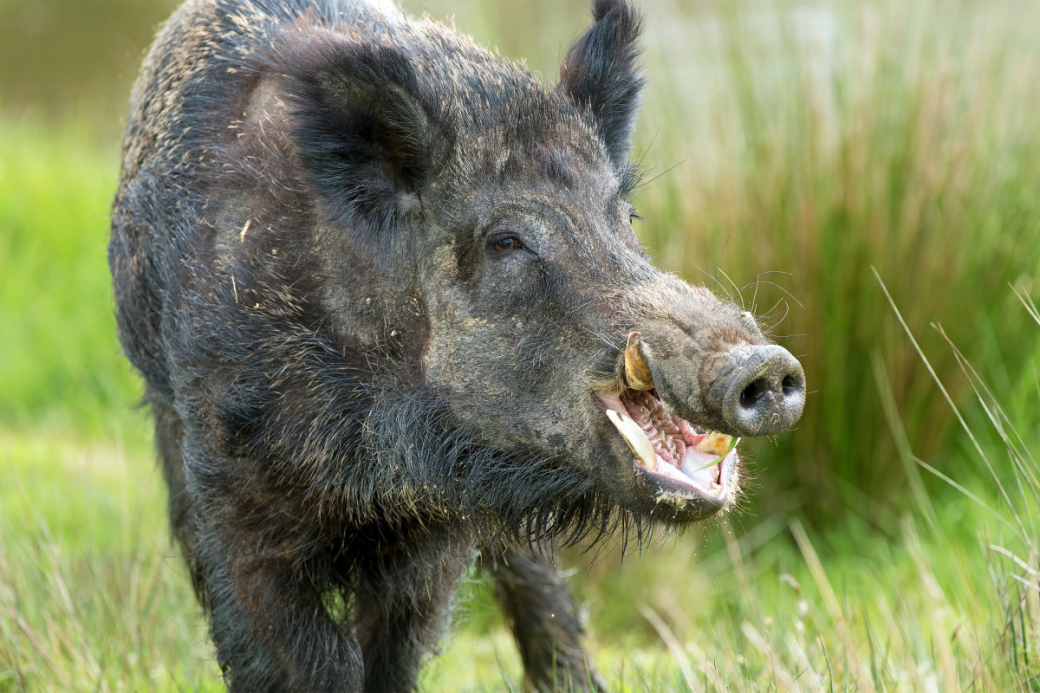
356, 383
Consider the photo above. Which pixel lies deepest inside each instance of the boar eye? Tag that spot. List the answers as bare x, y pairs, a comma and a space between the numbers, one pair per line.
507, 243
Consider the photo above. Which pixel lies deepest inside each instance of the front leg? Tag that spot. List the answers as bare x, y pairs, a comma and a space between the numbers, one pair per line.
541, 614
403, 594
267, 618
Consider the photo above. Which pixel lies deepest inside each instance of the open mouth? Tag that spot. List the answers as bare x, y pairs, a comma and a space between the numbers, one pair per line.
676, 456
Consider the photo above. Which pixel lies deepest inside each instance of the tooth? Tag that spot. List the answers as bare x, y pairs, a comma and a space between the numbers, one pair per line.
635, 437
637, 373
714, 442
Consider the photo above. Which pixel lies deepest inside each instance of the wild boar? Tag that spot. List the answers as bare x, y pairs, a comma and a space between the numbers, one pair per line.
384, 292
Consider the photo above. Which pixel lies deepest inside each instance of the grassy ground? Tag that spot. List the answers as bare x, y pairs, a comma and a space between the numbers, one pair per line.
93, 597
822, 145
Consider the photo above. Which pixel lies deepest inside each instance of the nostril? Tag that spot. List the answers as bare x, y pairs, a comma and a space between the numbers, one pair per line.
751, 394
764, 390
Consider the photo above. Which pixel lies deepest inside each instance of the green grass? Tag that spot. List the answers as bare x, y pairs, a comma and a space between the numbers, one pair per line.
784, 167
92, 596
60, 364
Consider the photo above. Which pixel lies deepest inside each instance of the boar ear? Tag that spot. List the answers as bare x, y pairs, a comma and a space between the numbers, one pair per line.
368, 133
600, 73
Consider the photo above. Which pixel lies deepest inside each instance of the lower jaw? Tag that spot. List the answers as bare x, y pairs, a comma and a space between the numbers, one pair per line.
669, 486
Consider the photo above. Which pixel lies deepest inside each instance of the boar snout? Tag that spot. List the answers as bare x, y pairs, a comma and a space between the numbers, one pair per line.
686, 399
764, 392
743, 389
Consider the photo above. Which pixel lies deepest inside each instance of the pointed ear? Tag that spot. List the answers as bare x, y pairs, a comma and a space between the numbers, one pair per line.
370, 135
600, 73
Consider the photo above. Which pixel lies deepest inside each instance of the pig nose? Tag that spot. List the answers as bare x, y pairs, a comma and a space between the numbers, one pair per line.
766, 392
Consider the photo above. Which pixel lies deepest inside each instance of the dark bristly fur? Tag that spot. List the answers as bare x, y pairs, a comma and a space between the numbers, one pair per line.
353, 386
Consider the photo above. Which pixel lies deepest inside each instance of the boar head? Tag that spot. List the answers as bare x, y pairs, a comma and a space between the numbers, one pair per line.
498, 211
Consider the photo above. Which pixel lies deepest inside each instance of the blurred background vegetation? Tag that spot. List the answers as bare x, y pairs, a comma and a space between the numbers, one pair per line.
792, 150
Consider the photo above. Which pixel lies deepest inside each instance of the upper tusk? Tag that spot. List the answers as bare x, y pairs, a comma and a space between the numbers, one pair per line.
637, 373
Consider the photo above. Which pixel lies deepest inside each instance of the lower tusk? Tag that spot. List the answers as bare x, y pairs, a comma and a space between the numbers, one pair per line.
637, 373
635, 437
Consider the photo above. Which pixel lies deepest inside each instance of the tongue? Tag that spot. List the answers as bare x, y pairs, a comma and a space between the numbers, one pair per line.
699, 467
